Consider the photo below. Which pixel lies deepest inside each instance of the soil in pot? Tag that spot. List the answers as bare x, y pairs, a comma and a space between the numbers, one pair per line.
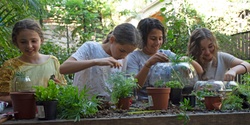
46, 110
24, 104
158, 98
213, 102
175, 96
124, 103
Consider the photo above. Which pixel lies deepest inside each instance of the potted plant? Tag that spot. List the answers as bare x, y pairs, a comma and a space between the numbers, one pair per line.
176, 91
23, 99
158, 96
46, 100
209, 92
211, 99
123, 89
183, 71
75, 104
179, 69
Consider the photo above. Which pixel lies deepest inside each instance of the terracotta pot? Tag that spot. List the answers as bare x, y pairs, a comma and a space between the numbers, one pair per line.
124, 103
24, 104
158, 98
213, 102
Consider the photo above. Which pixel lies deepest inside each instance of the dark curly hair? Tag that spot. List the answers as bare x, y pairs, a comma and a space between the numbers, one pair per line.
145, 26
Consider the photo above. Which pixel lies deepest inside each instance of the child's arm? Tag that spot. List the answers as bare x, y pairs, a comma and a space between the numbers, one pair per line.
197, 67
195, 64
71, 65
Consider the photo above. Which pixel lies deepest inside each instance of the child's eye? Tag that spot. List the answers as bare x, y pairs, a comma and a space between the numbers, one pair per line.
211, 46
122, 51
22, 42
153, 38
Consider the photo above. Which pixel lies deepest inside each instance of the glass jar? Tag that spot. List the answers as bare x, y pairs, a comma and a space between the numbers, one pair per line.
21, 84
183, 72
210, 85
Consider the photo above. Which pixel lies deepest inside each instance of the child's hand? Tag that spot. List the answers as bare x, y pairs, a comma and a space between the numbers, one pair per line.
53, 77
110, 61
158, 57
230, 75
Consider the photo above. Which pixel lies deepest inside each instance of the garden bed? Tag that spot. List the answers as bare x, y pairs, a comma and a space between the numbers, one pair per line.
160, 118
143, 116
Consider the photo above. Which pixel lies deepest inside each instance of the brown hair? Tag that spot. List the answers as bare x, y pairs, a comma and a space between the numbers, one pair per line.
194, 49
125, 33
26, 24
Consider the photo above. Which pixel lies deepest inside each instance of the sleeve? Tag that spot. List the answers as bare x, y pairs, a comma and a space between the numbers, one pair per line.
227, 59
124, 64
132, 64
6, 76
59, 76
82, 52
169, 53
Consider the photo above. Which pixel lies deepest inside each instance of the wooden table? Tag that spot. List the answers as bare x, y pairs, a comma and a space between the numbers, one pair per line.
210, 118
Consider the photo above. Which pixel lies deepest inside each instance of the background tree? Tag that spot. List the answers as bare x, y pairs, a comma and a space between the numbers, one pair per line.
10, 12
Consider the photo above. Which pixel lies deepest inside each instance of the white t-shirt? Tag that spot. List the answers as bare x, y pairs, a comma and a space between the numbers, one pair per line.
217, 73
94, 77
135, 61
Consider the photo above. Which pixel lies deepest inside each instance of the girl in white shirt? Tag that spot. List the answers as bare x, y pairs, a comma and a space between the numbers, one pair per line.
92, 63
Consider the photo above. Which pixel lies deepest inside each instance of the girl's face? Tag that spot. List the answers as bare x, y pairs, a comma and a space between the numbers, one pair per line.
29, 42
154, 42
207, 50
119, 51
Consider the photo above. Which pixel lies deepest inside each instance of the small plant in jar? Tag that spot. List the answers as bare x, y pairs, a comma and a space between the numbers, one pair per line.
21, 82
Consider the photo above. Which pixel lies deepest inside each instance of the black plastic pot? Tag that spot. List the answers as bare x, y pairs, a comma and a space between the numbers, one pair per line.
175, 96
191, 98
187, 90
46, 110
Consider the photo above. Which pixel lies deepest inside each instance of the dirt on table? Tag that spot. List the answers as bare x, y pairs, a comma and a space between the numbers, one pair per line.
141, 109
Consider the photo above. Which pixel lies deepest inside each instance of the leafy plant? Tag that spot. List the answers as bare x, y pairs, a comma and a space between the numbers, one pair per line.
174, 84
73, 104
178, 58
239, 98
201, 94
123, 86
168, 84
160, 84
47, 93
184, 106
232, 102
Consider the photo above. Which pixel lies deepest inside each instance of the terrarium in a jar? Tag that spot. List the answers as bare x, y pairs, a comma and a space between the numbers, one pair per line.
183, 72
21, 83
210, 85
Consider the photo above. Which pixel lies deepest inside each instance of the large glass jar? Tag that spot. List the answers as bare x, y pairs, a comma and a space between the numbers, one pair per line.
183, 72
22, 84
